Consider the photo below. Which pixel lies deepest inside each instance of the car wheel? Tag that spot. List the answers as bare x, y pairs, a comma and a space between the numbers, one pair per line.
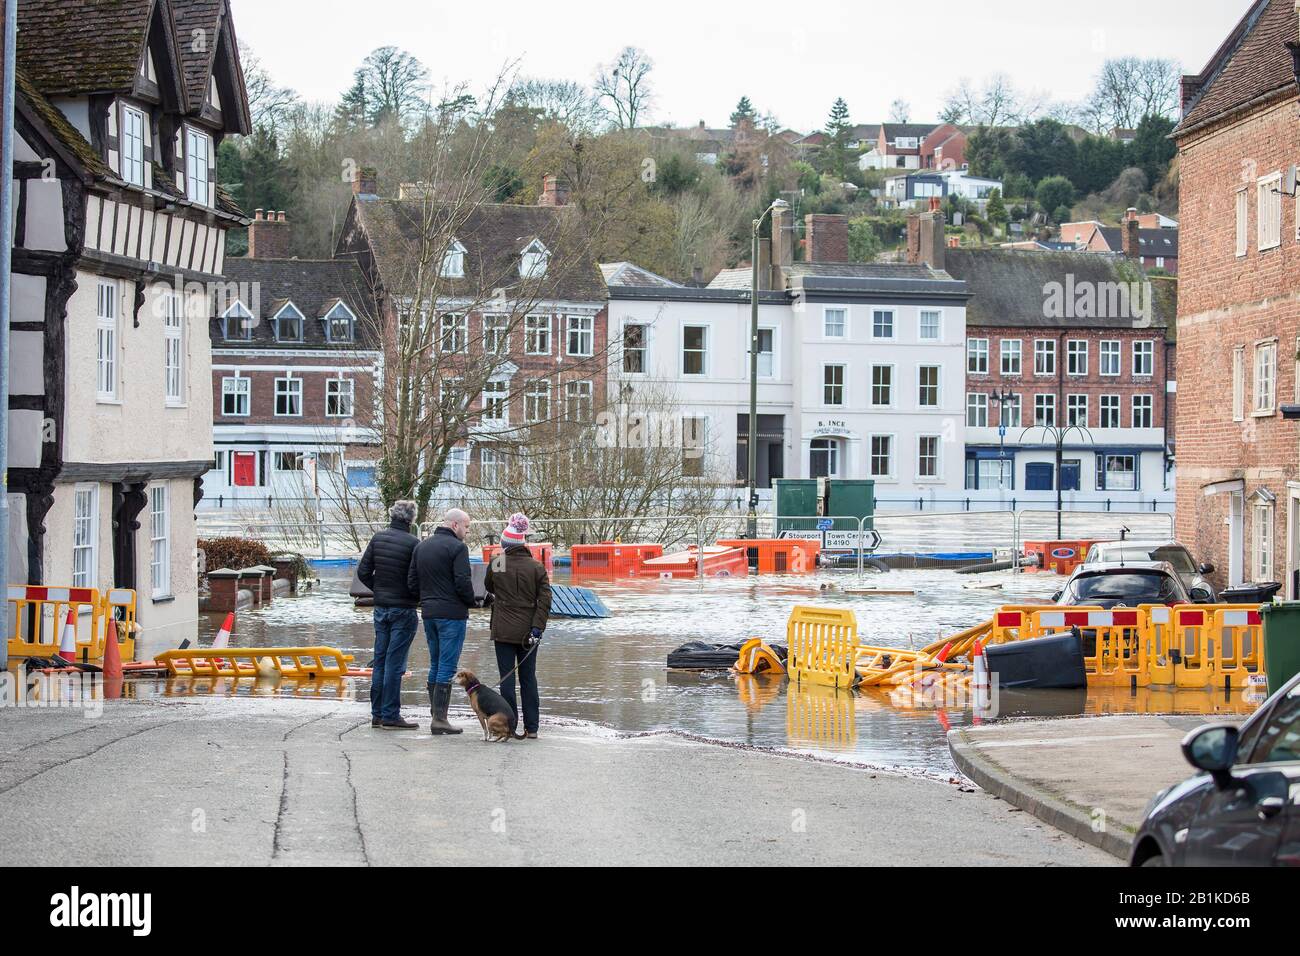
1156, 859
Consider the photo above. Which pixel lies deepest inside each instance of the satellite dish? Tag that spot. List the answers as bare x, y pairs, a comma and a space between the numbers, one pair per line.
1288, 181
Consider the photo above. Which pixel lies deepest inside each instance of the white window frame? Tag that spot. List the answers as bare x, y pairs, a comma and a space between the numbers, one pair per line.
827, 325
1268, 211
891, 456
1017, 402
496, 333
1114, 349
198, 167
937, 457
173, 350
977, 410
453, 261
1044, 401
921, 386
537, 329
888, 386
289, 391
240, 387
1045, 349
642, 350
1108, 411
85, 519
1076, 357
1265, 377
1243, 222
160, 547
496, 396
893, 325
977, 353
1144, 354
534, 260
241, 312
842, 385
1011, 359
537, 401
132, 145
332, 316
1145, 404
582, 330
580, 395
1075, 403
457, 329
107, 341
343, 393
703, 351
938, 325
1262, 527
769, 354
294, 314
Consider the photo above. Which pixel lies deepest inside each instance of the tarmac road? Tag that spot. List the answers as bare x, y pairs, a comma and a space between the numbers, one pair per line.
251, 781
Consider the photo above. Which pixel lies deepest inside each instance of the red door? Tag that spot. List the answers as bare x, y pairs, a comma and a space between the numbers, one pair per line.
245, 469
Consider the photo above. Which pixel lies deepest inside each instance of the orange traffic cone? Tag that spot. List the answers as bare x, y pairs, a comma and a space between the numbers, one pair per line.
223, 636
68, 640
112, 663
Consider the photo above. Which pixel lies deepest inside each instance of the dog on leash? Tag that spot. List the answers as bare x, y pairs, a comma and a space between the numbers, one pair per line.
494, 713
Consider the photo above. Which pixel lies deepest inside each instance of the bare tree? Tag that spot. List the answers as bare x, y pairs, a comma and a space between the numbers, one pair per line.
623, 87
995, 102
900, 111
395, 86
566, 102
269, 104
1128, 89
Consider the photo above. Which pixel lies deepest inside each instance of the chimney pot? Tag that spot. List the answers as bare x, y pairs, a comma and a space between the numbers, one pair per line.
268, 235
257, 213
555, 192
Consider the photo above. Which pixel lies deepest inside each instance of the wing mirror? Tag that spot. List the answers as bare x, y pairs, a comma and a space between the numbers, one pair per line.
1057, 596
1201, 596
1207, 568
1213, 748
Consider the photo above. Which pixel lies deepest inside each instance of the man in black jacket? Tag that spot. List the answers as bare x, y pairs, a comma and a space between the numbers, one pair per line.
384, 569
440, 574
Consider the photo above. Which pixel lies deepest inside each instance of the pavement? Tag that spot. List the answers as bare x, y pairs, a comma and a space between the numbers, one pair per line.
283, 781
1091, 777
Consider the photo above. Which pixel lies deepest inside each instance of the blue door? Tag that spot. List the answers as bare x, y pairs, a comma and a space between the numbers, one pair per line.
1038, 476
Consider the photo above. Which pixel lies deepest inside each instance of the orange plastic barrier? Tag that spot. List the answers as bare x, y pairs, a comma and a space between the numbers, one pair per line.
779, 555
543, 551
718, 562
610, 559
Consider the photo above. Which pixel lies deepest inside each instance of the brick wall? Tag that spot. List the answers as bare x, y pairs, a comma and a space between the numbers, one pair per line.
1226, 302
262, 399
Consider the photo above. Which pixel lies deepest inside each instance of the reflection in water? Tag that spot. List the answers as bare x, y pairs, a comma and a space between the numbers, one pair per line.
612, 671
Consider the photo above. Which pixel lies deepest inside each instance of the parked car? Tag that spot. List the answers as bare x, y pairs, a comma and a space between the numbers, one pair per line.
1240, 810
1191, 573
1125, 585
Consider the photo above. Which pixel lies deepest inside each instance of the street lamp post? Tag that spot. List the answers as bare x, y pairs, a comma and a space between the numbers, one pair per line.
753, 368
1059, 435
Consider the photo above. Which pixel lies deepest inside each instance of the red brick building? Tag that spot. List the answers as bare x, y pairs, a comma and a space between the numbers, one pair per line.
1239, 312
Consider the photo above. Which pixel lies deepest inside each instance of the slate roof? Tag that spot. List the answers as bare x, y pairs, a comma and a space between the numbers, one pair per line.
630, 274
1251, 64
82, 46
494, 235
313, 286
919, 130
63, 131
1009, 286
1151, 242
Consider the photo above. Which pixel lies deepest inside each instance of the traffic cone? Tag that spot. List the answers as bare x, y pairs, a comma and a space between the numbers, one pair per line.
112, 663
980, 683
943, 654
68, 640
223, 636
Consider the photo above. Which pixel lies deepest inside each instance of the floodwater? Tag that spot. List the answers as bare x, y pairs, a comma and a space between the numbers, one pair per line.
613, 672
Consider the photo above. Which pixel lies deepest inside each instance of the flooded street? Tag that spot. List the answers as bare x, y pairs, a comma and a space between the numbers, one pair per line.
612, 671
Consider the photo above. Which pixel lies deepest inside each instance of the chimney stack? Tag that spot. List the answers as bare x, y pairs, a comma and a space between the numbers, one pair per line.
268, 235
365, 182
555, 192
1132, 242
826, 238
782, 245
925, 239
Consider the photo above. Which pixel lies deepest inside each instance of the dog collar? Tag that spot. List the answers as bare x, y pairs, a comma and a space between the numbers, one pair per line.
473, 687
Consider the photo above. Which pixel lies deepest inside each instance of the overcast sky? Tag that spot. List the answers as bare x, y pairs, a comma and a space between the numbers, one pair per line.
790, 58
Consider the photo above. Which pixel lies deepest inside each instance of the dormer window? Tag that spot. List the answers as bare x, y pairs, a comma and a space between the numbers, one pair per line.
453, 261
238, 322
133, 145
288, 324
340, 324
198, 151
533, 261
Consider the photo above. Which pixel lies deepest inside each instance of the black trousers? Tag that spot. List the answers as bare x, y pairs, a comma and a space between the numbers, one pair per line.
508, 655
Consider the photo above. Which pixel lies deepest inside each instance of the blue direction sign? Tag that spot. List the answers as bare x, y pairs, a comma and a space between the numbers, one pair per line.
825, 524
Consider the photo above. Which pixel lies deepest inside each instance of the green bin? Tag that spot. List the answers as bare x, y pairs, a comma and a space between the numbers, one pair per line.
1281, 642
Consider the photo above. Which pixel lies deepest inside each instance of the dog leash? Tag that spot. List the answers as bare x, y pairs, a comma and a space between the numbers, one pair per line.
511, 672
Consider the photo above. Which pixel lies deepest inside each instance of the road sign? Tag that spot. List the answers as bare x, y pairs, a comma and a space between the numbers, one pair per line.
869, 540
825, 524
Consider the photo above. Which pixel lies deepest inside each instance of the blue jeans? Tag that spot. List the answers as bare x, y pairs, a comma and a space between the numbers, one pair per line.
446, 638
394, 631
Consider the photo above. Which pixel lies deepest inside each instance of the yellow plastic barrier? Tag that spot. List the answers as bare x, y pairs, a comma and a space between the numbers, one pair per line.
40, 614
755, 657
823, 646
312, 662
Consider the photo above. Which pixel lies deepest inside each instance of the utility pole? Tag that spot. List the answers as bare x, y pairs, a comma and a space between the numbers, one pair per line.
1059, 434
6, 265
752, 524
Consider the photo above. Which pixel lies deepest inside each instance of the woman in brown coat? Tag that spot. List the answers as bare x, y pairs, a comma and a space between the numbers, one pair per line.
521, 602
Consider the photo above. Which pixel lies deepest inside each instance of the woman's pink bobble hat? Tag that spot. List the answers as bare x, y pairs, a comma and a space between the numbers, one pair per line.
516, 530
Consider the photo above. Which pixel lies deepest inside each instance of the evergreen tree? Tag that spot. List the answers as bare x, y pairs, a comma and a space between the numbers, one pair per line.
837, 127
744, 112
353, 111
997, 209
